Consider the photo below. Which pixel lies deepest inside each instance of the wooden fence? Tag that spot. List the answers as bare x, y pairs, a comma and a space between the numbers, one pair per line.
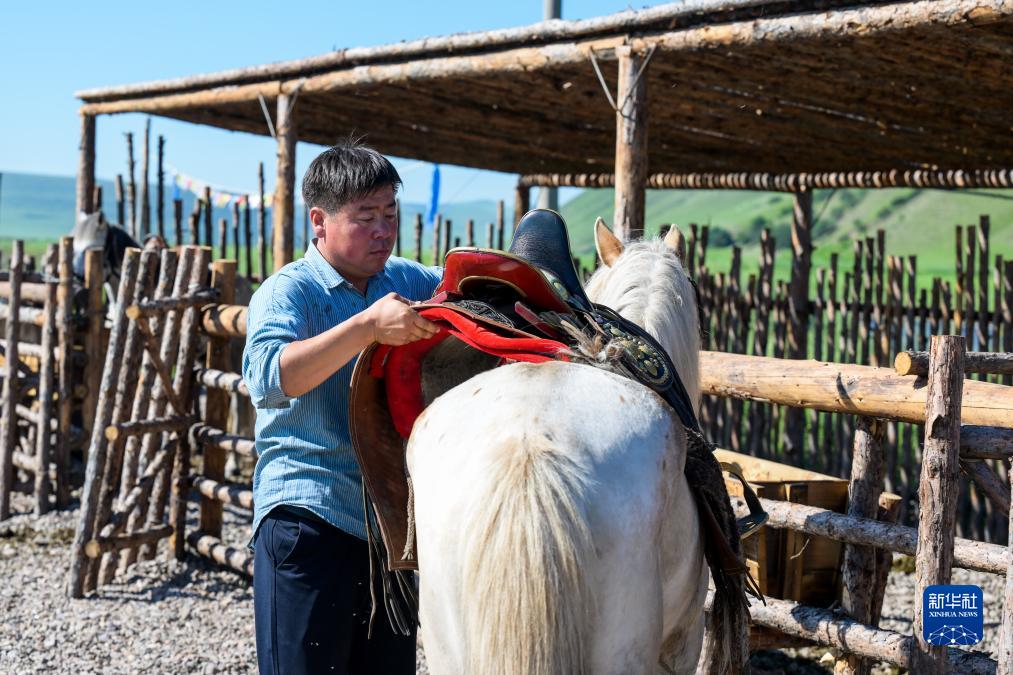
50, 362
863, 311
139, 453
972, 423
964, 421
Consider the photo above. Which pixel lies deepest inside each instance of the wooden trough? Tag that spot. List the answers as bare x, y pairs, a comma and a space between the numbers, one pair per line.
786, 564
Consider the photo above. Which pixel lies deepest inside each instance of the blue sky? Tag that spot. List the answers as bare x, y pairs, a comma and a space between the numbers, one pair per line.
49, 50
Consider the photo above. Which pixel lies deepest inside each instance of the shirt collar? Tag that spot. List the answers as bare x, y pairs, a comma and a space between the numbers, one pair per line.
326, 274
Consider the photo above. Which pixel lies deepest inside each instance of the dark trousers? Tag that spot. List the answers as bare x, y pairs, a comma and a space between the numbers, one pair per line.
311, 601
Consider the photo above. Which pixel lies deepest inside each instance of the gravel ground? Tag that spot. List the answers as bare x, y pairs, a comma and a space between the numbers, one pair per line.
164, 616
195, 617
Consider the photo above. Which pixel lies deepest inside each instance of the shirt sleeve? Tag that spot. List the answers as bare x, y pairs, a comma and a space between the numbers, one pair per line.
277, 317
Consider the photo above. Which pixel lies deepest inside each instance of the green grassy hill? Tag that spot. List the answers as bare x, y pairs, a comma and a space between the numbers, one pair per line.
917, 222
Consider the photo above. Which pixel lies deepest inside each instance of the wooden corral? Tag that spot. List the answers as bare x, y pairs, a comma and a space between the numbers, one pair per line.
760, 94
50, 362
945, 403
867, 311
822, 531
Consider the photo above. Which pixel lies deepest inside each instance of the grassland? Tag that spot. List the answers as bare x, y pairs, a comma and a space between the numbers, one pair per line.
917, 222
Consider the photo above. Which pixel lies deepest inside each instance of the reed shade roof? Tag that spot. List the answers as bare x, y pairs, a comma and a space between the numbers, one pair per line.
732, 86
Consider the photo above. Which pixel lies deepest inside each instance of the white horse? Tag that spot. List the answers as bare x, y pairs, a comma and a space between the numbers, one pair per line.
556, 529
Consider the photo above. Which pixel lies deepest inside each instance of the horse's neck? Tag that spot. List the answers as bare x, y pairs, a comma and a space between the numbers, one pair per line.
664, 306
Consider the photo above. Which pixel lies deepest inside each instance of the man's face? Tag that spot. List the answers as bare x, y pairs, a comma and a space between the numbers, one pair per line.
358, 239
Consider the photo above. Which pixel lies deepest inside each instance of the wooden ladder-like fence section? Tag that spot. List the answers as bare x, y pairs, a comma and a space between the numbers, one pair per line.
221, 323
138, 458
50, 364
965, 421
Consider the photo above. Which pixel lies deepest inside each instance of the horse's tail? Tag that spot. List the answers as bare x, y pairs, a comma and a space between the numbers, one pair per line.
526, 597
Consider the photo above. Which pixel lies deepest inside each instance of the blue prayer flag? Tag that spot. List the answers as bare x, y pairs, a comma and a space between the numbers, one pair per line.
434, 196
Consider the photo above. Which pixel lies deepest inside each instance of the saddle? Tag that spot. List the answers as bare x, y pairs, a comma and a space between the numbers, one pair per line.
493, 307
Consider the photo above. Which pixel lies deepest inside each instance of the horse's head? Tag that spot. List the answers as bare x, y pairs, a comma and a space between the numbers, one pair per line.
645, 282
93, 231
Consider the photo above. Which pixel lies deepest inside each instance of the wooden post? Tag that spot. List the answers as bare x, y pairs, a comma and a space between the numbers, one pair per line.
177, 221
798, 315
131, 187
447, 228
65, 342
93, 348
470, 232
86, 167
235, 230
418, 237
223, 278
522, 202
194, 223
437, 236
1005, 655
145, 228
860, 562
490, 235
223, 239
261, 225
283, 203
103, 416
305, 227
631, 145
96, 202
160, 212
44, 433
209, 237
121, 211
11, 383
248, 237
177, 503
397, 231
500, 224
937, 491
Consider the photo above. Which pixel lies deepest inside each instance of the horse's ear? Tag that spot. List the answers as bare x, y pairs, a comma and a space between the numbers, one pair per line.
676, 242
608, 245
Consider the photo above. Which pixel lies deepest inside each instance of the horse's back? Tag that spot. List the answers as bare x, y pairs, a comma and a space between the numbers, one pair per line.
606, 444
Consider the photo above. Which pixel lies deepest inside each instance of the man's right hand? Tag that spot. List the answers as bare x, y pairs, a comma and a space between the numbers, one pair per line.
394, 322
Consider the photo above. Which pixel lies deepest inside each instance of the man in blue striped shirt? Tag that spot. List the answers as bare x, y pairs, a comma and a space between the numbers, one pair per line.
307, 323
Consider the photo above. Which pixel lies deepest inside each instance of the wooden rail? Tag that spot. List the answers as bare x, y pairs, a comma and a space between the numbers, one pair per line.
842, 388
990, 363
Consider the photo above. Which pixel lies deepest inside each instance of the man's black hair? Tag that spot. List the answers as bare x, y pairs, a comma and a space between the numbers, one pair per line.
344, 173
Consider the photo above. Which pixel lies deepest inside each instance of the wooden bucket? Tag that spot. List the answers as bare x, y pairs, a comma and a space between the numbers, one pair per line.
787, 564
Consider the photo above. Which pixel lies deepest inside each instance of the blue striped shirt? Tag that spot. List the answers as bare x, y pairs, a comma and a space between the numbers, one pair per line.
304, 449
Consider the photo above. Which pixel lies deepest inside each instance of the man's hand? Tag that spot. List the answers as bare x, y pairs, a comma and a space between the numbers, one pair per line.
394, 322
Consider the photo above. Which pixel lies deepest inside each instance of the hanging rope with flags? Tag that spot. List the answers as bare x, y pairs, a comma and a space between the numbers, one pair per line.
220, 197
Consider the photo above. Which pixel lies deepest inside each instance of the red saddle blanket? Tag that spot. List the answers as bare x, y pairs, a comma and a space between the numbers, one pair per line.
387, 397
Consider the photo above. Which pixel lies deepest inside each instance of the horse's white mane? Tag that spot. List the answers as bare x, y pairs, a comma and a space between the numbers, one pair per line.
648, 285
